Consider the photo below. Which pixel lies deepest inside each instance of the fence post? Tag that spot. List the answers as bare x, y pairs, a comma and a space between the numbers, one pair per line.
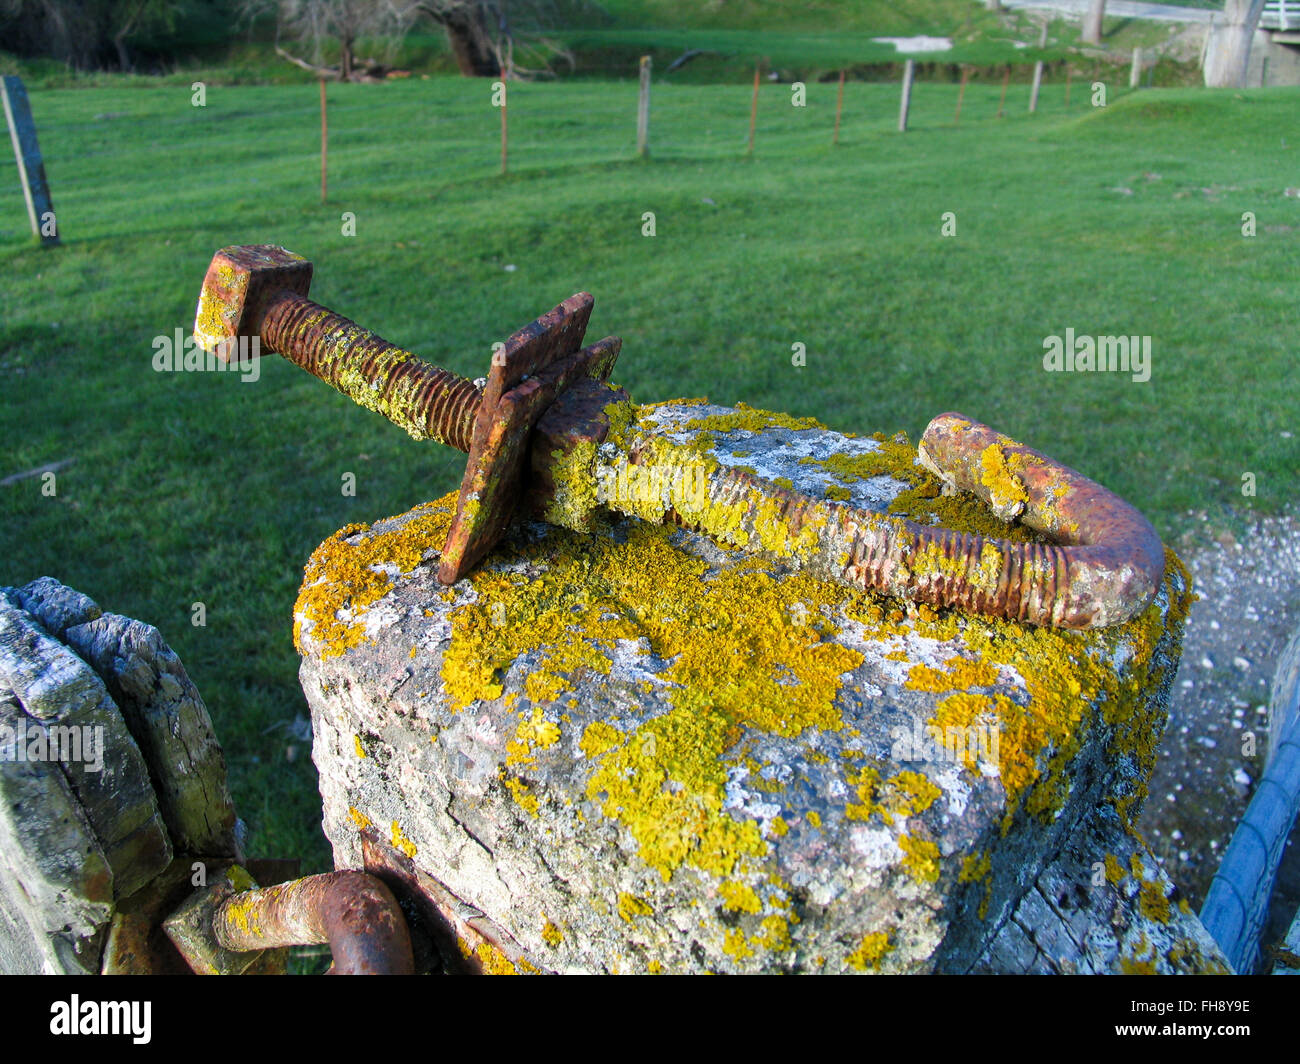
504, 140
1038, 73
753, 111
643, 110
324, 140
27, 153
909, 71
839, 106
1135, 72
961, 93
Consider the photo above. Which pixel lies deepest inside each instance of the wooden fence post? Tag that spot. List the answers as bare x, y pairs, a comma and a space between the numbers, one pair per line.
961, 93
324, 140
1135, 72
504, 139
27, 152
1038, 73
839, 106
909, 72
753, 111
643, 110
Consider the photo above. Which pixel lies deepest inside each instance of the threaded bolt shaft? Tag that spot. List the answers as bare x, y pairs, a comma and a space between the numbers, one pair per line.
427, 402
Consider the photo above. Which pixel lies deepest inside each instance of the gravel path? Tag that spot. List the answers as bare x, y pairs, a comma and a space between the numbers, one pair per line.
1249, 583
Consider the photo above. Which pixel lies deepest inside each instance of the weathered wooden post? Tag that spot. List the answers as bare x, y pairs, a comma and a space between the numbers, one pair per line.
839, 106
27, 153
1038, 73
753, 110
504, 135
324, 141
961, 93
1135, 71
643, 110
909, 71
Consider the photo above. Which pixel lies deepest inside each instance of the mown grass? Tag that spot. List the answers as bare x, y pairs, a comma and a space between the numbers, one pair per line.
197, 487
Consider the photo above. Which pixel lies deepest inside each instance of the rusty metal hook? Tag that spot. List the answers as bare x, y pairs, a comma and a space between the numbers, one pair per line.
352, 911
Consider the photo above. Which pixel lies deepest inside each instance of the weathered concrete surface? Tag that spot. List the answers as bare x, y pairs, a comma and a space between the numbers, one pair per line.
637, 751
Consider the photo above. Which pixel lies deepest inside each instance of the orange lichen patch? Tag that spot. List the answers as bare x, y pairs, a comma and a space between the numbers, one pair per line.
746, 417
871, 951
1153, 903
864, 781
961, 675
773, 933
734, 944
532, 732
975, 867
684, 822
401, 842
599, 738
1000, 476
739, 897
491, 959
921, 860
522, 794
1114, 870
551, 934
351, 570
629, 906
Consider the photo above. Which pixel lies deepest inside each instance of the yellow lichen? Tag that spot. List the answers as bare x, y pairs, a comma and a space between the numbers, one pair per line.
599, 738
532, 732
551, 934
921, 860
871, 951
629, 906
1114, 870
401, 842
739, 897
358, 818
342, 578
1152, 902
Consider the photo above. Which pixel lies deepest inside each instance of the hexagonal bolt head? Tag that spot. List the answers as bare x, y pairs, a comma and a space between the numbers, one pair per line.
240, 283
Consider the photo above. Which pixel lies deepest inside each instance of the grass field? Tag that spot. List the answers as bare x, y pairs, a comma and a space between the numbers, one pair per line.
198, 487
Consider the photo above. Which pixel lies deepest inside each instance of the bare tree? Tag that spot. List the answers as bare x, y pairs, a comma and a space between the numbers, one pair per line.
1092, 22
1228, 57
314, 23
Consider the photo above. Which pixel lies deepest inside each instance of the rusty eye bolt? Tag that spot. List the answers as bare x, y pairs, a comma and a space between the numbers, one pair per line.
352, 911
1103, 566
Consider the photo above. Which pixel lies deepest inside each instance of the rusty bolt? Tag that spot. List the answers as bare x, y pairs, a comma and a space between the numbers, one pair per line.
261, 291
1103, 566
352, 911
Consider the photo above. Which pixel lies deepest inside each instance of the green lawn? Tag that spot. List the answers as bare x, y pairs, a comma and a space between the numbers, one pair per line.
198, 487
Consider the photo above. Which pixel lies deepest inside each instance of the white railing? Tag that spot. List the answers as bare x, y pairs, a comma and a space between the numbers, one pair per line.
1280, 15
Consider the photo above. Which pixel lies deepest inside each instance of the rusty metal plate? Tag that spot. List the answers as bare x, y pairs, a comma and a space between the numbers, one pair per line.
539, 362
